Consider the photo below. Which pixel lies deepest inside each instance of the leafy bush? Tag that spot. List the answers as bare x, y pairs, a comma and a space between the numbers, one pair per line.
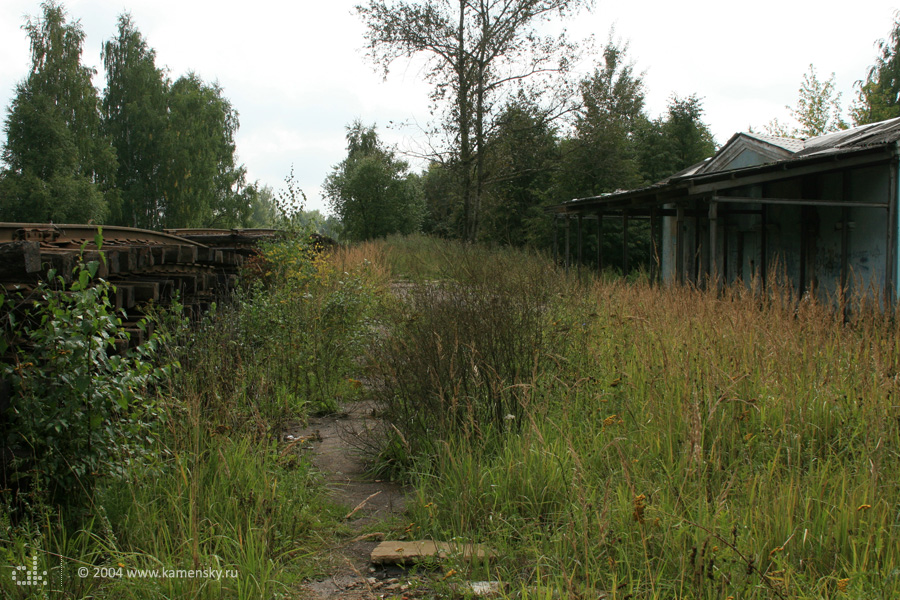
78, 410
299, 327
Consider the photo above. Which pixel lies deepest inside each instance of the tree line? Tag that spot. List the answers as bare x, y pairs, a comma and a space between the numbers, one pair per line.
516, 131
148, 152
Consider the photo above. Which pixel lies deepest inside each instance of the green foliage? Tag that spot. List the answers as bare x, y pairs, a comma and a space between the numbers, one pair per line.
460, 352
818, 110
818, 107
477, 53
440, 189
27, 198
203, 185
58, 164
78, 409
219, 489
878, 95
175, 144
250, 510
371, 191
671, 144
264, 211
521, 156
601, 156
135, 114
297, 328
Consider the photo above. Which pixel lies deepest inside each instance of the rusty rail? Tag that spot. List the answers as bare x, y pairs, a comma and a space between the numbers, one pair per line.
61, 235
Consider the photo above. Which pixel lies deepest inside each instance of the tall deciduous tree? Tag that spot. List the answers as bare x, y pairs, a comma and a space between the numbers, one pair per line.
477, 50
371, 190
521, 158
203, 186
818, 107
58, 164
878, 96
135, 111
818, 110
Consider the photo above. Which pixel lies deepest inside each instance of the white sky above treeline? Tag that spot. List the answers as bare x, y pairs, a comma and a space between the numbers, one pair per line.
297, 74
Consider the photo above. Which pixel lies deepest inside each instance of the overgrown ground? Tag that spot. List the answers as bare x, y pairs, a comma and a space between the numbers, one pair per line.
619, 439
196, 472
608, 439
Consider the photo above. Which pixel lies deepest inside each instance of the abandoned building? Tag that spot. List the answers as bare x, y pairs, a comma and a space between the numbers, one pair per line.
821, 212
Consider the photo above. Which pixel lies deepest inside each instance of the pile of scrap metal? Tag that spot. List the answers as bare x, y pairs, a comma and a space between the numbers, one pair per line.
201, 266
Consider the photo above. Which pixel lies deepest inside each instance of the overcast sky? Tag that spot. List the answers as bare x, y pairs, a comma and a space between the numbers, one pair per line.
296, 71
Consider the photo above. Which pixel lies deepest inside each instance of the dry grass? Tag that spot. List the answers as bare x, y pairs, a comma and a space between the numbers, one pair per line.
668, 442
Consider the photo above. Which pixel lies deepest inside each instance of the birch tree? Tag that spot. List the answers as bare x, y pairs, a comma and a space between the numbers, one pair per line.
135, 111
58, 164
478, 51
878, 96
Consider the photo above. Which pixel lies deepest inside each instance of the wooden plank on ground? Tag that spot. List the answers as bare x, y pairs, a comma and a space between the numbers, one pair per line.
422, 550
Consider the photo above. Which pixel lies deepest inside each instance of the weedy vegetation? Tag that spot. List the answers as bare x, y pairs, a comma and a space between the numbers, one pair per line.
606, 438
623, 440
169, 456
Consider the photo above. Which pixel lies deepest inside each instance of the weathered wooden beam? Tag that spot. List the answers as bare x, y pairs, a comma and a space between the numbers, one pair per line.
555, 240
695, 250
714, 245
19, 259
143, 291
764, 247
804, 248
187, 254
654, 248
124, 296
799, 202
580, 255
846, 190
890, 281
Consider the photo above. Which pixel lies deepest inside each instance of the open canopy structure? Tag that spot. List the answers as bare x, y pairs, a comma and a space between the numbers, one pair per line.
821, 211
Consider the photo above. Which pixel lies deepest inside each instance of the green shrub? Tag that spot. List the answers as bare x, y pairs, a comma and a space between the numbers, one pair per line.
78, 410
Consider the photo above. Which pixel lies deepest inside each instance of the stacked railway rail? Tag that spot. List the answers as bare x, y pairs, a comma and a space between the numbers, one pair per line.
198, 266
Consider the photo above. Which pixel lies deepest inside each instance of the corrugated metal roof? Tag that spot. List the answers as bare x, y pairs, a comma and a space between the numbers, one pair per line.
864, 136
792, 145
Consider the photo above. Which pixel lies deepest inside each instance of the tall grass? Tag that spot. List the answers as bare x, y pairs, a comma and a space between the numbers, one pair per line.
668, 442
463, 344
222, 490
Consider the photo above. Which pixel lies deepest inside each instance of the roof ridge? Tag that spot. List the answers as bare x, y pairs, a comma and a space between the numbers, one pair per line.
764, 137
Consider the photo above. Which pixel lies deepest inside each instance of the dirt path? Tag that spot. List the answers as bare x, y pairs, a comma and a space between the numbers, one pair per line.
334, 442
